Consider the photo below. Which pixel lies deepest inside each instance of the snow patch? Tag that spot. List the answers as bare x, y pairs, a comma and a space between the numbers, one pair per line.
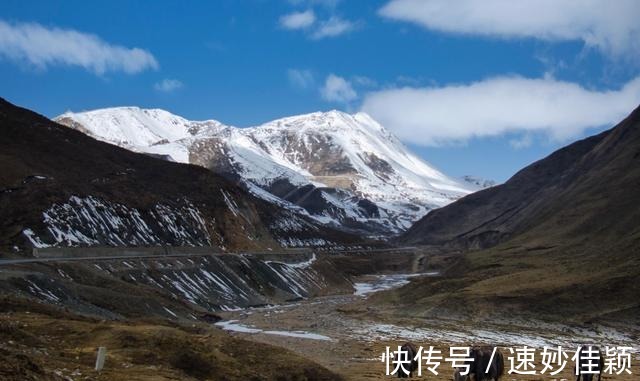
93, 221
386, 282
370, 163
234, 326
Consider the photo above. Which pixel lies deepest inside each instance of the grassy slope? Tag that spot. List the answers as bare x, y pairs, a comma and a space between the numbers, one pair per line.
567, 283
563, 238
44, 343
587, 189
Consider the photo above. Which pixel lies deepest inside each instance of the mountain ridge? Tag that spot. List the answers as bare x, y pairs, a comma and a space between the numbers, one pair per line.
343, 170
115, 197
535, 192
559, 240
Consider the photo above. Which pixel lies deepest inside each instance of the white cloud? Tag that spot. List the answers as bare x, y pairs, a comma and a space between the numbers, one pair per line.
434, 116
298, 20
168, 85
337, 89
523, 141
364, 81
610, 26
42, 47
333, 27
302, 79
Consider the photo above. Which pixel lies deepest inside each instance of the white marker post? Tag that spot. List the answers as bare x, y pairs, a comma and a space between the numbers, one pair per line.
102, 354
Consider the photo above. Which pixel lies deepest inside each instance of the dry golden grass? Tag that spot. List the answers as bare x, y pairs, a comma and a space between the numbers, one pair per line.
45, 344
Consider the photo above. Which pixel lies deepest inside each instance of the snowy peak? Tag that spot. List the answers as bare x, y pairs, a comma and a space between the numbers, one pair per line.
329, 123
339, 168
349, 145
136, 127
333, 120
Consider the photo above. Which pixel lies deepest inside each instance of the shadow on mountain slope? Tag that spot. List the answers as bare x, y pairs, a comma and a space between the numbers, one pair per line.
60, 187
560, 239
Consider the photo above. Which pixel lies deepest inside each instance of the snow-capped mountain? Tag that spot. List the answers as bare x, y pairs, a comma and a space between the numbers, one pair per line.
341, 169
478, 182
142, 129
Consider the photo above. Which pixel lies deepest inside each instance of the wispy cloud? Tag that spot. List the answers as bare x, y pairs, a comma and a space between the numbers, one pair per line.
524, 141
338, 89
363, 81
168, 85
609, 26
298, 20
302, 79
333, 27
317, 28
43, 47
433, 116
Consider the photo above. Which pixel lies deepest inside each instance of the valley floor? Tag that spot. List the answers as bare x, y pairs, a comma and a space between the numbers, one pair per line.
350, 340
335, 335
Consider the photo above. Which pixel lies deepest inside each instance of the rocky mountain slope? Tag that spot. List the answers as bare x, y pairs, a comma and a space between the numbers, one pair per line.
340, 169
59, 187
560, 239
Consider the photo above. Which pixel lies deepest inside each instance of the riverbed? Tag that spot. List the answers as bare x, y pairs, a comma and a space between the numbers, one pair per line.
323, 330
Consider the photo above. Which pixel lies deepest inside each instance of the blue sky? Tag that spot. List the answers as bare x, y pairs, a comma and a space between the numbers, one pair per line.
480, 88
